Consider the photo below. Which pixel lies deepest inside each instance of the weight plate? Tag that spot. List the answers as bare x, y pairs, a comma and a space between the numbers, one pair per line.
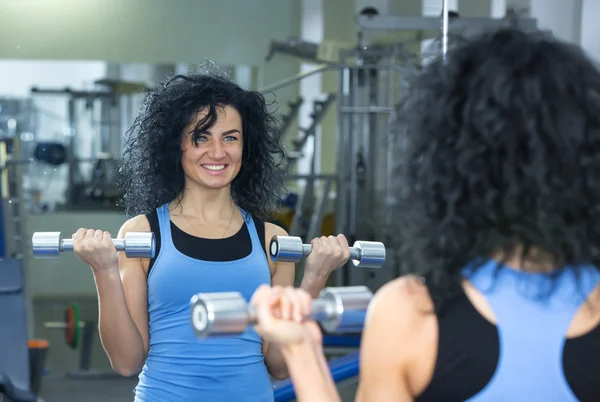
72, 330
69, 313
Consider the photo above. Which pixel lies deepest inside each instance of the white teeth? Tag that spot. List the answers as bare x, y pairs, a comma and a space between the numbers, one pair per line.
214, 167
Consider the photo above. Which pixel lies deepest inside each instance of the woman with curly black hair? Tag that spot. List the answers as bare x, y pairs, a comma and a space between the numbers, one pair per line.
203, 167
500, 235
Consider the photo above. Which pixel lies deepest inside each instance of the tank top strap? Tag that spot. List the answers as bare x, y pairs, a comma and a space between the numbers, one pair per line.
256, 244
164, 223
587, 279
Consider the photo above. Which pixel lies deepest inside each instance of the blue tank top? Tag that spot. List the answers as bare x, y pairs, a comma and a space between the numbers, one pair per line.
533, 313
181, 367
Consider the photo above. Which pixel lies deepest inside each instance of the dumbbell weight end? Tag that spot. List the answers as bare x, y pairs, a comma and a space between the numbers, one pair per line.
368, 254
218, 314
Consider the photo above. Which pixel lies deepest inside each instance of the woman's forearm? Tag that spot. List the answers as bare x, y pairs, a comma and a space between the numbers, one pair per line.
310, 374
313, 284
119, 335
275, 362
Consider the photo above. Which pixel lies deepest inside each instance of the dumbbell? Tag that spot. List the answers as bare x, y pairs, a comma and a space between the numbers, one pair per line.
364, 254
338, 310
135, 244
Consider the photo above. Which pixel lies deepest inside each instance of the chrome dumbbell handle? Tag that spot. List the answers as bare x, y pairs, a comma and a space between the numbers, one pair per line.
355, 252
321, 310
67, 244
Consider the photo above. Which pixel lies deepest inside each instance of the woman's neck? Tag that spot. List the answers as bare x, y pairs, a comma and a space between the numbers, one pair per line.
204, 204
534, 261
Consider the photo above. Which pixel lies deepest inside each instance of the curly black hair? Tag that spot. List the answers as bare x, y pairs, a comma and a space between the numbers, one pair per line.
151, 173
501, 152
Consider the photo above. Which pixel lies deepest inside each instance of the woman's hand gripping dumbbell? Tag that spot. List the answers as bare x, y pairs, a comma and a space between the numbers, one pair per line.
365, 254
94, 247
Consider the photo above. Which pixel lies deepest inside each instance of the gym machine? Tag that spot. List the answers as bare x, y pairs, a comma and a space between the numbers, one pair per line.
310, 211
100, 188
338, 310
373, 78
75, 177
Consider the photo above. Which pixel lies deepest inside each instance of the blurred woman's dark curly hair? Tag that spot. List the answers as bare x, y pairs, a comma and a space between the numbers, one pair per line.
151, 172
502, 153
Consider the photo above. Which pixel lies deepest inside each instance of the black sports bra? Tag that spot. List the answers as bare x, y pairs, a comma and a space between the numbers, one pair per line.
228, 249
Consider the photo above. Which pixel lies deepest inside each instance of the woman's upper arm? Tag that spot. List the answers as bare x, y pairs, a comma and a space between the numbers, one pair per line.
283, 273
134, 278
384, 350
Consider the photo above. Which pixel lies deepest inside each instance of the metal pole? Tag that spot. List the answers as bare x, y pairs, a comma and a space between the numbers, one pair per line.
72, 155
444, 28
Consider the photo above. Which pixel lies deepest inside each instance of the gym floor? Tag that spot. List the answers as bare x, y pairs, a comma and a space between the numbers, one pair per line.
58, 386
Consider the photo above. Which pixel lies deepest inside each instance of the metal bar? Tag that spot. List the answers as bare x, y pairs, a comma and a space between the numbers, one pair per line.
319, 69
309, 177
298, 77
298, 215
319, 212
342, 134
72, 93
4, 188
396, 23
87, 344
73, 172
444, 28
354, 148
366, 109
390, 149
61, 325
16, 162
372, 66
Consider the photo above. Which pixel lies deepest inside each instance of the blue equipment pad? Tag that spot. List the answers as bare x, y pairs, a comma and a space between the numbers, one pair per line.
341, 369
342, 340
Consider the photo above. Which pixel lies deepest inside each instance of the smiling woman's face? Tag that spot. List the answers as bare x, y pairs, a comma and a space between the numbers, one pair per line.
212, 159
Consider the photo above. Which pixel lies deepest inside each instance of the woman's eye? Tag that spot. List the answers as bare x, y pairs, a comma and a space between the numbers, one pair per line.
201, 138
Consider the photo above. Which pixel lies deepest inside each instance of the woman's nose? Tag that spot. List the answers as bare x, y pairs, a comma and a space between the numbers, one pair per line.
216, 151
